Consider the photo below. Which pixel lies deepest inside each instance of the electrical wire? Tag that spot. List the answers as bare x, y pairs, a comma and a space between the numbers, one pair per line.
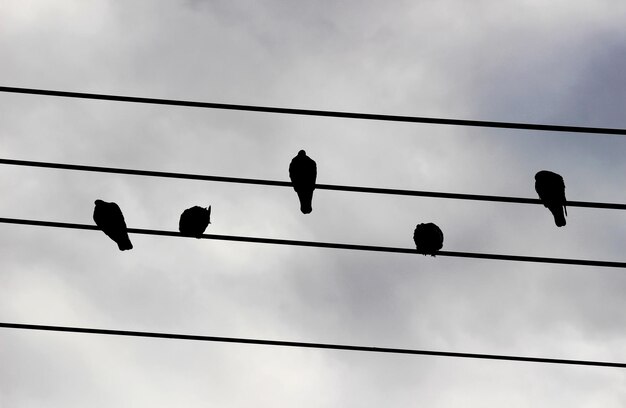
311, 112
372, 190
330, 245
326, 346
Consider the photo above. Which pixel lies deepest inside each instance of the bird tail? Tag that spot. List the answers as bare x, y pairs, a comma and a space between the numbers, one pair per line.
306, 198
125, 244
559, 216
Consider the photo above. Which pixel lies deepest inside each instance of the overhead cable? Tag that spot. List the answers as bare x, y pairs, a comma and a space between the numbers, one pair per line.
311, 112
326, 346
356, 189
330, 245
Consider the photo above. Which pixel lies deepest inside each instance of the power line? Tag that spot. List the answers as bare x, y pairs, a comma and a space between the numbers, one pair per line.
311, 112
330, 245
326, 346
372, 190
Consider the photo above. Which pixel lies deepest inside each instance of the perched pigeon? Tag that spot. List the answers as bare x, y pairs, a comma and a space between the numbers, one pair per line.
110, 219
303, 172
551, 190
428, 238
194, 220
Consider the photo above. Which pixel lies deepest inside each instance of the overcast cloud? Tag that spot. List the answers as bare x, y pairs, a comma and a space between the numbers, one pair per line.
557, 62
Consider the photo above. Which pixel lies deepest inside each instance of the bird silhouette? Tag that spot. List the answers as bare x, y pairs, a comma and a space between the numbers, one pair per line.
551, 190
110, 219
303, 173
428, 238
194, 220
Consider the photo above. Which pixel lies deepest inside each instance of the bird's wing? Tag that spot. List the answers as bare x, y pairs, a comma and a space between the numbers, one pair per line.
116, 217
294, 170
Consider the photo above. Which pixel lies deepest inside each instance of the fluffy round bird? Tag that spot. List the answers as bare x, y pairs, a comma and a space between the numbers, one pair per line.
109, 218
551, 190
303, 174
428, 238
194, 221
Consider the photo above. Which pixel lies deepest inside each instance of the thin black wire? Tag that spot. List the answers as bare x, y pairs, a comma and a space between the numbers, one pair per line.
370, 248
311, 112
326, 346
372, 190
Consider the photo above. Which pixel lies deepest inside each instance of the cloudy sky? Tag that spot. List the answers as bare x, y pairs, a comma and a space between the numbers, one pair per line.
556, 62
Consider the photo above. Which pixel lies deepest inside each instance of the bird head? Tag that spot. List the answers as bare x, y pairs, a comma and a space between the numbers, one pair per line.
542, 174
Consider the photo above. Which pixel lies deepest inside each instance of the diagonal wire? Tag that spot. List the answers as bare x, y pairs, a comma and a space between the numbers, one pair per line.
330, 245
311, 112
356, 189
281, 343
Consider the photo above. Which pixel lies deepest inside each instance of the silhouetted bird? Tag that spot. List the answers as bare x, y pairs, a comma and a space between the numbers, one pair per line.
428, 238
194, 220
551, 190
303, 173
110, 219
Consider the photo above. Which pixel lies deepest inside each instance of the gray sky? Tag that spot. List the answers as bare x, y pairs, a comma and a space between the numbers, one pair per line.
559, 62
